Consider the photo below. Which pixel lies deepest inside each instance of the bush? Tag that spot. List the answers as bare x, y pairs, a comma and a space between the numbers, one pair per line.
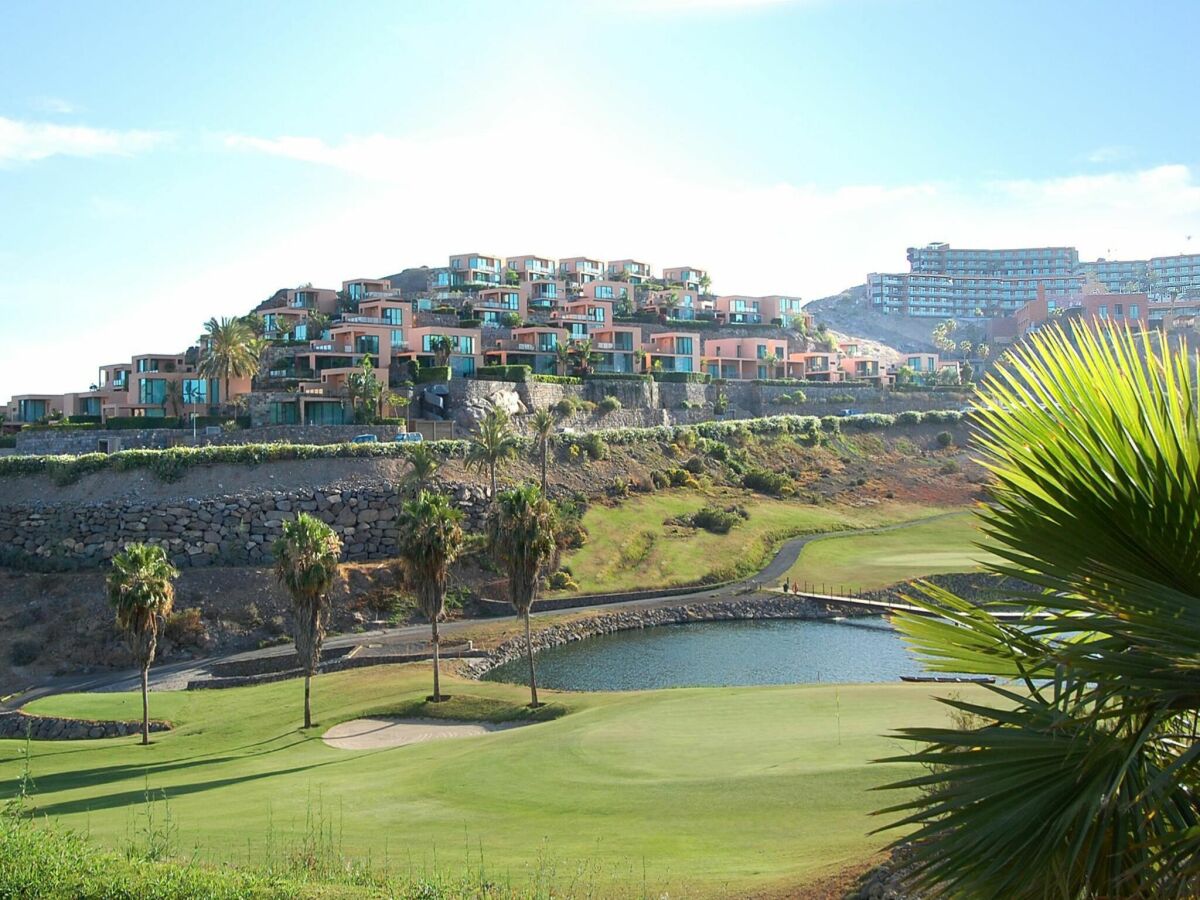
562, 581
24, 652
840, 398
831, 424
718, 521
567, 406
430, 374
682, 478
519, 374
615, 376
870, 421
682, 377
695, 465
185, 627
944, 439
510, 320
950, 467
660, 479
609, 404
134, 423
594, 446
556, 379
771, 483
778, 382
82, 420
943, 417
8, 441
470, 323
908, 417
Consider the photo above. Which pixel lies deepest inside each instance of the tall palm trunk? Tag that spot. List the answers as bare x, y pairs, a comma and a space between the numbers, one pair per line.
493, 468
437, 684
545, 453
145, 704
307, 700
533, 700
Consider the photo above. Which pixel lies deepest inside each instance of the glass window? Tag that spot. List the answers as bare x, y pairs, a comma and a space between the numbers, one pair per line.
194, 392
1133, 310
152, 390
284, 413
324, 413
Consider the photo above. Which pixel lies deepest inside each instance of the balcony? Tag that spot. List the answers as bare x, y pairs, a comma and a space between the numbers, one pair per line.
370, 320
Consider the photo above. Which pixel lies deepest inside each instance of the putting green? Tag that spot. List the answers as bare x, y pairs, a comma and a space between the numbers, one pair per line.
697, 791
863, 562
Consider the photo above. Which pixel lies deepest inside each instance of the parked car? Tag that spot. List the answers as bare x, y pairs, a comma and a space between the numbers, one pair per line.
410, 437
849, 412
365, 439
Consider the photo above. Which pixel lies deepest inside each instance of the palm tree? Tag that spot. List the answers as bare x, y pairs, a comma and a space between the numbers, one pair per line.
493, 444
306, 563
442, 346
705, 283
424, 464
174, 396
141, 587
562, 358
431, 537
543, 422
1080, 780
521, 534
230, 351
581, 353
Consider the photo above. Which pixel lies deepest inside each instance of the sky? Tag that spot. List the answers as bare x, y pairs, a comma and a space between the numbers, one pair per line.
162, 163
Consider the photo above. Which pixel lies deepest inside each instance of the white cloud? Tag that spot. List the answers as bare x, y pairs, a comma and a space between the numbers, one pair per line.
415, 200
31, 141
54, 105
1109, 154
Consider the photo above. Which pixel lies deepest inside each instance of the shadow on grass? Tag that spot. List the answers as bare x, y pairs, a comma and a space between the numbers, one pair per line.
137, 796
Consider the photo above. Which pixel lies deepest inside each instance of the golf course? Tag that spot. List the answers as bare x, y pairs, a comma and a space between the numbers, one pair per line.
695, 792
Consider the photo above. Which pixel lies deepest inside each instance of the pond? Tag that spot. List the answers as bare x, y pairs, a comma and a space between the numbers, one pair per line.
763, 651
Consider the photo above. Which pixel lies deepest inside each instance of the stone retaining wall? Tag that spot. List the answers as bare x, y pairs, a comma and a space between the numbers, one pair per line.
53, 728
751, 607
226, 530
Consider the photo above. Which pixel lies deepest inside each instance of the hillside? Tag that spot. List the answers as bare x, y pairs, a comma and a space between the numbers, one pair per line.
848, 313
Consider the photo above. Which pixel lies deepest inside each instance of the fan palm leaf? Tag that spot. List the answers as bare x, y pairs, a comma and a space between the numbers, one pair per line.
1082, 779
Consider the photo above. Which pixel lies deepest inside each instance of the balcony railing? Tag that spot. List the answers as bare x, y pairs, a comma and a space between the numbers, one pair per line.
370, 320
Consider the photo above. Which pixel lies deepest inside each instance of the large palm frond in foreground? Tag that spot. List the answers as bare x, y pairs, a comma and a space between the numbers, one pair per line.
1082, 780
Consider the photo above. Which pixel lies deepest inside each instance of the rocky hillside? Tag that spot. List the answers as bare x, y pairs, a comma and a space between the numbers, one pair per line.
849, 313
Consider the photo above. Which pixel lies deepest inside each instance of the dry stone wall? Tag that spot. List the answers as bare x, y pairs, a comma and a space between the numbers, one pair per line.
223, 530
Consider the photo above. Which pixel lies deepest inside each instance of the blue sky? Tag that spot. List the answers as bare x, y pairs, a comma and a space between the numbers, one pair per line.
162, 163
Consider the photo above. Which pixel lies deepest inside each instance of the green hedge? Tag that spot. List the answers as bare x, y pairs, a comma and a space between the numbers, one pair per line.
8, 441
519, 374
135, 423
170, 465
556, 379
781, 382
615, 376
83, 420
60, 425
430, 374
682, 377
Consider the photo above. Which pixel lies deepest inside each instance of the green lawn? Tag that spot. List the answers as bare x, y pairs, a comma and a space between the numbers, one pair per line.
864, 562
631, 547
695, 792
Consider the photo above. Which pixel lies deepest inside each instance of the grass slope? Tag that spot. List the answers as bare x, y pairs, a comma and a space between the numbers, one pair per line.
631, 545
697, 791
863, 562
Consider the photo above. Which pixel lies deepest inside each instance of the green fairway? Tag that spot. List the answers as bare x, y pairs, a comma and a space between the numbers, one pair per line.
698, 791
630, 546
863, 562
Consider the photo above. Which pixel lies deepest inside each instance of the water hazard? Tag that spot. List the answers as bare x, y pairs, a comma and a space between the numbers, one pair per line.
773, 651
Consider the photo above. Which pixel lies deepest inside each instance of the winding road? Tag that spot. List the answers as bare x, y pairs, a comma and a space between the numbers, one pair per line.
176, 675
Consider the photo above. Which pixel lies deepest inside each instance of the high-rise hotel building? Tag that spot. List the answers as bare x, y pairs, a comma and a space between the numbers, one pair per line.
944, 281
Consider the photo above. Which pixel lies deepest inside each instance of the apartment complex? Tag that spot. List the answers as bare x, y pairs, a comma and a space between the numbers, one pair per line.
1161, 278
944, 281
479, 309
1090, 306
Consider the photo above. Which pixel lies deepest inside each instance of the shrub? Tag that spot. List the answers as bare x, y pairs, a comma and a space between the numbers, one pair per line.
609, 404
556, 379
517, 374
943, 416
185, 627
470, 323
695, 465
134, 423
831, 424
771, 483
615, 376
24, 652
430, 374
682, 478
721, 403
567, 406
950, 467
510, 320
8, 441
593, 445
562, 581
660, 479
908, 417
82, 420
944, 439
840, 398
777, 382
870, 421
717, 521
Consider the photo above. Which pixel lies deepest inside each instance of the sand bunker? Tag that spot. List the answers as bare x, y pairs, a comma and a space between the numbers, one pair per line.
372, 734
